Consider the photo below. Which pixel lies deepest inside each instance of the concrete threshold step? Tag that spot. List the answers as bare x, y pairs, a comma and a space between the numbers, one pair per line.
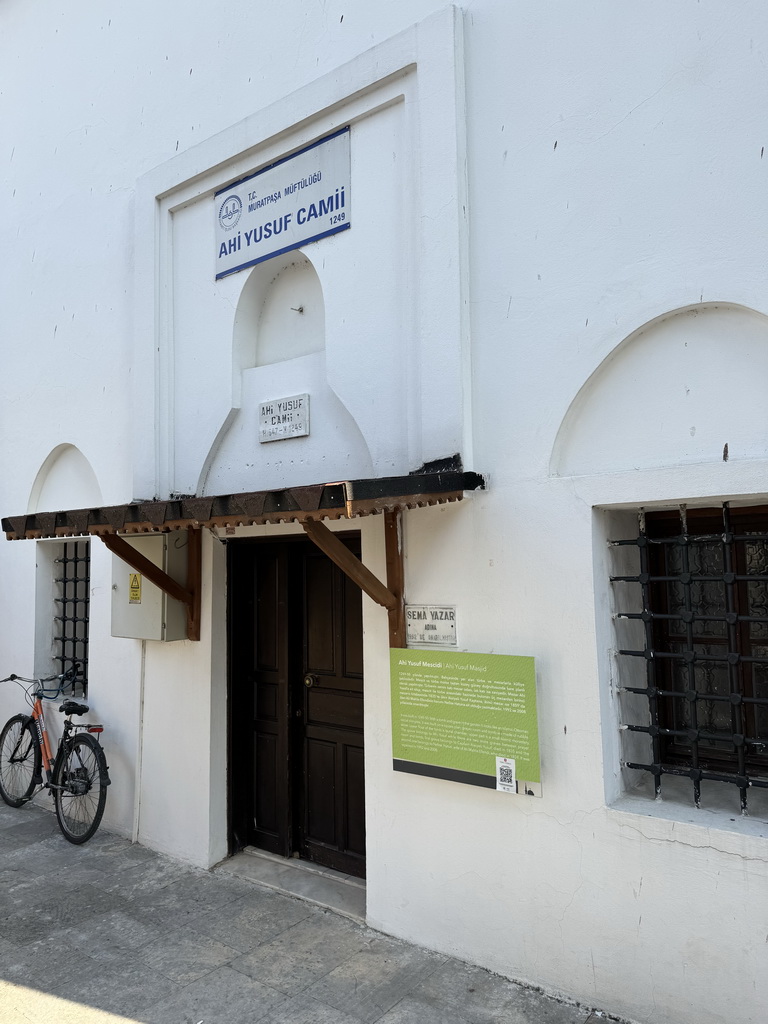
321, 886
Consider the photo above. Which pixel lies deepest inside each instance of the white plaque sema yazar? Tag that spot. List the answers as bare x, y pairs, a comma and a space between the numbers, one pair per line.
283, 417
430, 625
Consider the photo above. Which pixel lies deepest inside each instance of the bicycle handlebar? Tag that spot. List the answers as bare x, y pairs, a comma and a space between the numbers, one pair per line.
63, 679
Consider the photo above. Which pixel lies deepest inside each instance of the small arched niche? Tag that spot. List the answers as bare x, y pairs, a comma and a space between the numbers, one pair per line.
65, 480
675, 392
281, 313
279, 351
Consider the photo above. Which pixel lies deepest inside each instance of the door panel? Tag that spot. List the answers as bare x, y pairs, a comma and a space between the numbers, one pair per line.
297, 620
333, 716
271, 654
342, 709
320, 614
353, 632
320, 798
266, 804
356, 800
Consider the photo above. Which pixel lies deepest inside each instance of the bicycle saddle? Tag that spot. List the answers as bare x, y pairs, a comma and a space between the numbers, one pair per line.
72, 707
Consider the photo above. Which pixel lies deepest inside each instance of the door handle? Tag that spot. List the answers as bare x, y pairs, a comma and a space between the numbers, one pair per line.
310, 679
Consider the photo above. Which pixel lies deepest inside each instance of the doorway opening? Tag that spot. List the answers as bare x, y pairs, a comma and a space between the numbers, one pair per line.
297, 784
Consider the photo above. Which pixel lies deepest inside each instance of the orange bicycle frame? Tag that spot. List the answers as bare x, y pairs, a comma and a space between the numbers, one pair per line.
42, 735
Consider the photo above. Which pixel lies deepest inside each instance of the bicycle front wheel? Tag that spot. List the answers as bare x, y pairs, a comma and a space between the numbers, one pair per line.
80, 788
19, 760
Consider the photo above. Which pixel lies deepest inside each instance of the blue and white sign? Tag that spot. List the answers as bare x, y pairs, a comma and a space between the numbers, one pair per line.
292, 202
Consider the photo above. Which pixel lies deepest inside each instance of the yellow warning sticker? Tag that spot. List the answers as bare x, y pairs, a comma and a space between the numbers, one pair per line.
134, 588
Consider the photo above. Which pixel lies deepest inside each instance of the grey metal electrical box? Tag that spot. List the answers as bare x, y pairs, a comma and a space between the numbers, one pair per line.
140, 609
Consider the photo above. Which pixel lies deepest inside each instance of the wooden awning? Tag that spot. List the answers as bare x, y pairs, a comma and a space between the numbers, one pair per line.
343, 499
307, 506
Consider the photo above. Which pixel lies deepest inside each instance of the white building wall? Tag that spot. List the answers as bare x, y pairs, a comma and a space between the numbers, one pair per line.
615, 173
182, 809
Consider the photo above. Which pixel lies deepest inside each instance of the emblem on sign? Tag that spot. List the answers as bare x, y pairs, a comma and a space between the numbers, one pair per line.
229, 212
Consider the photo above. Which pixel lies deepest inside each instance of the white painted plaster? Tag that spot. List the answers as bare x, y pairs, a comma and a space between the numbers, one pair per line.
180, 744
334, 450
667, 396
66, 476
582, 174
386, 306
286, 314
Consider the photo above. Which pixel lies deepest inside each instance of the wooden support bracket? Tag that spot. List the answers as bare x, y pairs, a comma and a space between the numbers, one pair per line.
189, 595
393, 540
390, 596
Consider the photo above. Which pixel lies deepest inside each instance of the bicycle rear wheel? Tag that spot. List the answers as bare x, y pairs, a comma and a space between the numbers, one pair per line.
19, 760
80, 788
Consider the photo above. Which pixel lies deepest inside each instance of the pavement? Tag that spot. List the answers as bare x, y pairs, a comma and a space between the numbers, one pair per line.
111, 932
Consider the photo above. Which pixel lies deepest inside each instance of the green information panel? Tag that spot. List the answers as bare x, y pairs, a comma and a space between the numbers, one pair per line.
466, 717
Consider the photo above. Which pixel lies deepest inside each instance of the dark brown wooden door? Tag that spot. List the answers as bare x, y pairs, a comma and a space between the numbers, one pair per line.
297, 785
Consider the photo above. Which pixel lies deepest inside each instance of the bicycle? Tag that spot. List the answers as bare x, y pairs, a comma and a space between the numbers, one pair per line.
77, 776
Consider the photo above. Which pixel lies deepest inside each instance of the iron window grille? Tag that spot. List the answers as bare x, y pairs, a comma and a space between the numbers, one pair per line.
72, 579
702, 576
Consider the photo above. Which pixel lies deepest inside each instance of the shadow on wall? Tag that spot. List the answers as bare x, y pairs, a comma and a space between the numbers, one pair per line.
687, 387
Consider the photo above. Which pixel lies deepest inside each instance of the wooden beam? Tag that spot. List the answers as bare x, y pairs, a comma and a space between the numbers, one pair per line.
349, 564
194, 580
395, 576
189, 595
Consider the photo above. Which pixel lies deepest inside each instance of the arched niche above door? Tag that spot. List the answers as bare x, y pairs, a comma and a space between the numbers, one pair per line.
281, 313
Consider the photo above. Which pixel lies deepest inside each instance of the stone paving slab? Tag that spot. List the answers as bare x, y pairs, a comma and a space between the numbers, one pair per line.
476, 995
373, 980
303, 953
253, 922
221, 996
113, 933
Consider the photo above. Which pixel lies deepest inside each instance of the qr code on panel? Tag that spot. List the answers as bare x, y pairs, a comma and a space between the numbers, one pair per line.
506, 774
